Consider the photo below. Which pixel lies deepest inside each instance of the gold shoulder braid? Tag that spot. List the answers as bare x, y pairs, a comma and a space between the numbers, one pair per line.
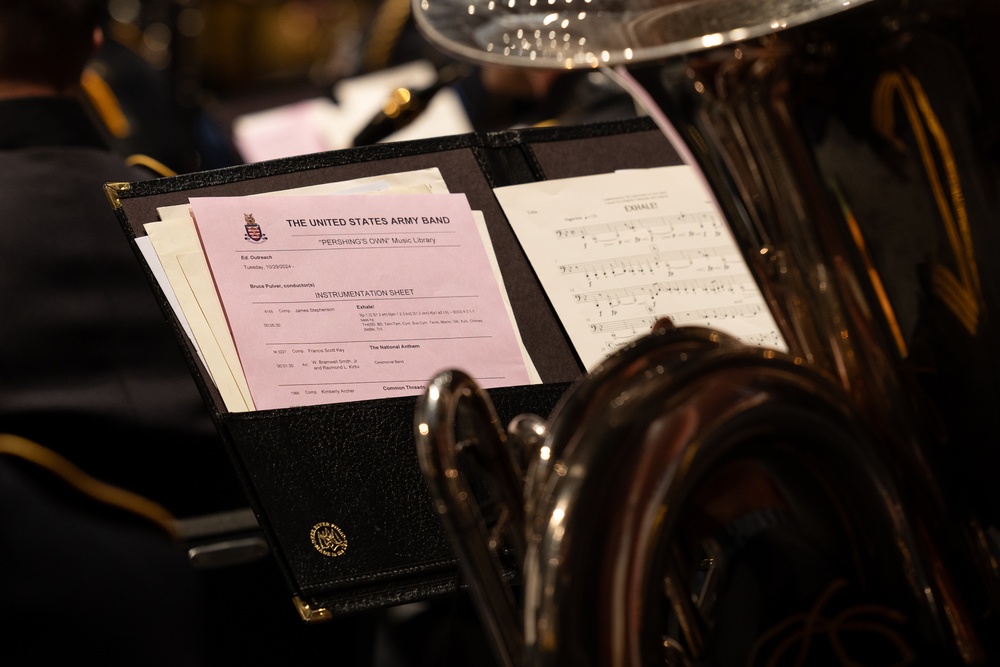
956, 286
13, 445
105, 103
151, 163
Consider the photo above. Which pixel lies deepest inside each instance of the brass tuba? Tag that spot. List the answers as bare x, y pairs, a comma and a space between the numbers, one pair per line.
854, 148
693, 500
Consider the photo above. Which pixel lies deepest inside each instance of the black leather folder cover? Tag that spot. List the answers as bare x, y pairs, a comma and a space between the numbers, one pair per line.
336, 488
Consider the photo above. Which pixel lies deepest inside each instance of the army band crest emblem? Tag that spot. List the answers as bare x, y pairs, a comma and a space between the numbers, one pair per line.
254, 233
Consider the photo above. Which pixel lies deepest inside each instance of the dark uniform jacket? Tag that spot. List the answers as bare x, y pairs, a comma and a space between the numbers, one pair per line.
88, 364
88, 572
90, 369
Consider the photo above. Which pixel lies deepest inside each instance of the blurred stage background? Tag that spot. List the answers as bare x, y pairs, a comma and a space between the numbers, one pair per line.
248, 80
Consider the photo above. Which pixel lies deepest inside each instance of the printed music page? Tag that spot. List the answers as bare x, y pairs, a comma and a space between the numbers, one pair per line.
615, 252
354, 297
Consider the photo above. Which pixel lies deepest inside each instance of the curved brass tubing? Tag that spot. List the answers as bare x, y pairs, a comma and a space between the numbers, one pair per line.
649, 481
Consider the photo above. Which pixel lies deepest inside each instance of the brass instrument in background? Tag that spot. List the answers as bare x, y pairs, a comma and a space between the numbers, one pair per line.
854, 148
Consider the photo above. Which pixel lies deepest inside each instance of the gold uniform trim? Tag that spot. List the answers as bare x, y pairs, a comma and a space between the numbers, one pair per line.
875, 278
13, 445
106, 103
960, 293
151, 163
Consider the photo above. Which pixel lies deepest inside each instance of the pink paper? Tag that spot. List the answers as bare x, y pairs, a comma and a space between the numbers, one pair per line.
335, 298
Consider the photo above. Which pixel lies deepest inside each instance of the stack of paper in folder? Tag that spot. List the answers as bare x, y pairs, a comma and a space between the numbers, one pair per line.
340, 292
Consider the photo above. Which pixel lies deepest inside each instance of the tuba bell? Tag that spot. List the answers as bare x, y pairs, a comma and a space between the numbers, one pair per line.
696, 501
692, 501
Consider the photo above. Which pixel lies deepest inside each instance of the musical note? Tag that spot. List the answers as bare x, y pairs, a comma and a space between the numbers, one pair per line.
703, 316
732, 284
704, 224
764, 339
654, 261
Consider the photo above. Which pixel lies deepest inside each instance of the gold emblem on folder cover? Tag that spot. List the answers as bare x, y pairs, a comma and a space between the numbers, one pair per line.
328, 539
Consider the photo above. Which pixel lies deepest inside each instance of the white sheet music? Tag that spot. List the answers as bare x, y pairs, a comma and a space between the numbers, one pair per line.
615, 252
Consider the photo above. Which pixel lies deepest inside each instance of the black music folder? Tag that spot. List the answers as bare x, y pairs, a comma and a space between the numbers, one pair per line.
336, 488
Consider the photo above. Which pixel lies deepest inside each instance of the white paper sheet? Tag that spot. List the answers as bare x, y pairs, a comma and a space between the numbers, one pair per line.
615, 252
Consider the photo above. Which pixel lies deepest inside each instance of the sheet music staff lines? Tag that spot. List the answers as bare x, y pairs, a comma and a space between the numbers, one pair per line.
639, 324
680, 225
655, 261
615, 333
723, 283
